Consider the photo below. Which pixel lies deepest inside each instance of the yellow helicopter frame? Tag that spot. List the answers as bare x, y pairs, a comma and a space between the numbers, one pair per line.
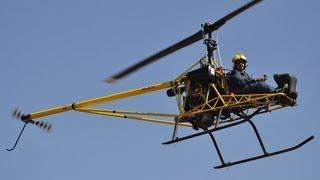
228, 109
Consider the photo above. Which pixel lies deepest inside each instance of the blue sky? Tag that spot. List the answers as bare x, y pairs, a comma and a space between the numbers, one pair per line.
59, 52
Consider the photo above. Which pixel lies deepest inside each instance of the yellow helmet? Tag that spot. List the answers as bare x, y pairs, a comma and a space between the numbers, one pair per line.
239, 56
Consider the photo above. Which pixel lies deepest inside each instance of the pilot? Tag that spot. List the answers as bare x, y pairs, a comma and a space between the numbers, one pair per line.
240, 82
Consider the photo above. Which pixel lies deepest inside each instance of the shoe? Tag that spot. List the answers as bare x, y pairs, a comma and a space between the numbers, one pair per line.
282, 89
293, 95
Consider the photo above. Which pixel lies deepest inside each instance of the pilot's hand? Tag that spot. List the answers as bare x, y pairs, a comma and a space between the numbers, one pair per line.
263, 78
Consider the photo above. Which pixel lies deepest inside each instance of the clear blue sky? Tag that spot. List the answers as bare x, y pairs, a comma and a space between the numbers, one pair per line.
58, 52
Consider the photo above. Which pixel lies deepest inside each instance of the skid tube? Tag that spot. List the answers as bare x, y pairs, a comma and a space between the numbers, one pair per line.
246, 118
265, 155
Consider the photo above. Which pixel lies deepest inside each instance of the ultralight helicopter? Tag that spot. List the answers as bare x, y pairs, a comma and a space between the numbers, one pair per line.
202, 95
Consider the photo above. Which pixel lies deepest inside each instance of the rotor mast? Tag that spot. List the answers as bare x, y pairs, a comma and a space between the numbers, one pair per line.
211, 46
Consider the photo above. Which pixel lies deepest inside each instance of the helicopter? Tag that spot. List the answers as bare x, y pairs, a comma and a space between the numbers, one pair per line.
201, 92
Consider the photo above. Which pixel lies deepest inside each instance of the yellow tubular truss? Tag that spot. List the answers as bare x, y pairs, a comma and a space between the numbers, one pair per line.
129, 112
133, 115
100, 100
233, 101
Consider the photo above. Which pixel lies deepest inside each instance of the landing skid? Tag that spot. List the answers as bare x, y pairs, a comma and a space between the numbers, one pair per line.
246, 118
265, 155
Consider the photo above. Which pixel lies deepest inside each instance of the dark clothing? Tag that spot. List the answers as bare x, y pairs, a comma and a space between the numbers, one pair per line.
242, 83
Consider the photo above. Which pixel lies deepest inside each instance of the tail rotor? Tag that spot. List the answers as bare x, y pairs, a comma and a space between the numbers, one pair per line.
17, 114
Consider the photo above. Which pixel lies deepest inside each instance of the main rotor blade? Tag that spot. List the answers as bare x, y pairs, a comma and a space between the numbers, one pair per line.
183, 43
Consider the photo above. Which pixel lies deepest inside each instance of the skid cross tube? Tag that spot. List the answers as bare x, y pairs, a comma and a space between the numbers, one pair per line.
256, 132
217, 147
258, 136
202, 133
258, 111
175, 129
